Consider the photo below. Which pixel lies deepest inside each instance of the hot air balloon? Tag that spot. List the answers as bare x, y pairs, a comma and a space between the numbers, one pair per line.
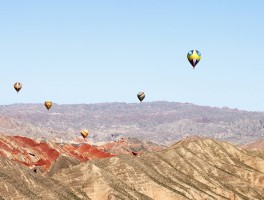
194, 57
17, 86
141, 96
84, 133
48, 104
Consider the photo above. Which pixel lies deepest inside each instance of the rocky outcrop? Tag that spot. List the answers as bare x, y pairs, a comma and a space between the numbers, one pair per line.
43, 154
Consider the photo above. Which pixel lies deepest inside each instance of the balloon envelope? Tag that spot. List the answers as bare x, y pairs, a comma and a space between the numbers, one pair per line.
17, 86
84, 133
194, 57
48, 104
141, 96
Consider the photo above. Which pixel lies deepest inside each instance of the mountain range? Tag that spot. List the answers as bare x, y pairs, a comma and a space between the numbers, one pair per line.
159, 122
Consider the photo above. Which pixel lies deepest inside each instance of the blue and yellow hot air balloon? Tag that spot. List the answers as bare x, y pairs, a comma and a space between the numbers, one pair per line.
194, 57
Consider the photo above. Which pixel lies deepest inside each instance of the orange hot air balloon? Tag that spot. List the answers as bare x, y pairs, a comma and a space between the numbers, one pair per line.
17, 86
84, 133
48, 104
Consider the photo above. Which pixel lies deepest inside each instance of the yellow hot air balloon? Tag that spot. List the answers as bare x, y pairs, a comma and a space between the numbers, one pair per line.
17, 86
48, 104
84, 133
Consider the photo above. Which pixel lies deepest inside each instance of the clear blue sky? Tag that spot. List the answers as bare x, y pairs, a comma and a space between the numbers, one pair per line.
107, 51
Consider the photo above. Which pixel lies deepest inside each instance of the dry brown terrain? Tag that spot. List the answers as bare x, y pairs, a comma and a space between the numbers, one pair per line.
194, 168
124, 145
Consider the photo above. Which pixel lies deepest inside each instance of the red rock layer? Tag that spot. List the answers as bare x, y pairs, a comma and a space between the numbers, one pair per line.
32, 153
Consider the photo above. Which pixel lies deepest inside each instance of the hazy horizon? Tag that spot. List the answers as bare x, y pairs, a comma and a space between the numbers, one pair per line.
145, 102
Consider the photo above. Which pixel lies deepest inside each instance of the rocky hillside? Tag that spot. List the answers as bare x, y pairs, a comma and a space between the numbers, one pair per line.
132, 146
195, 168
41, 155
161, 122
18, 182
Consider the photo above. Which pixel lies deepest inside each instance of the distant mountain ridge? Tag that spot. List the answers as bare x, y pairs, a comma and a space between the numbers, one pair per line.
160, 122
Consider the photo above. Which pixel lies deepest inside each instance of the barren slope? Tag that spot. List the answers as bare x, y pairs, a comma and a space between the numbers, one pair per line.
191, 169
124, 145
18, 182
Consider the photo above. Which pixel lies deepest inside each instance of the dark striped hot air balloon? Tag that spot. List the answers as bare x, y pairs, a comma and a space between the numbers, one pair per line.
84, 133
141, 96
